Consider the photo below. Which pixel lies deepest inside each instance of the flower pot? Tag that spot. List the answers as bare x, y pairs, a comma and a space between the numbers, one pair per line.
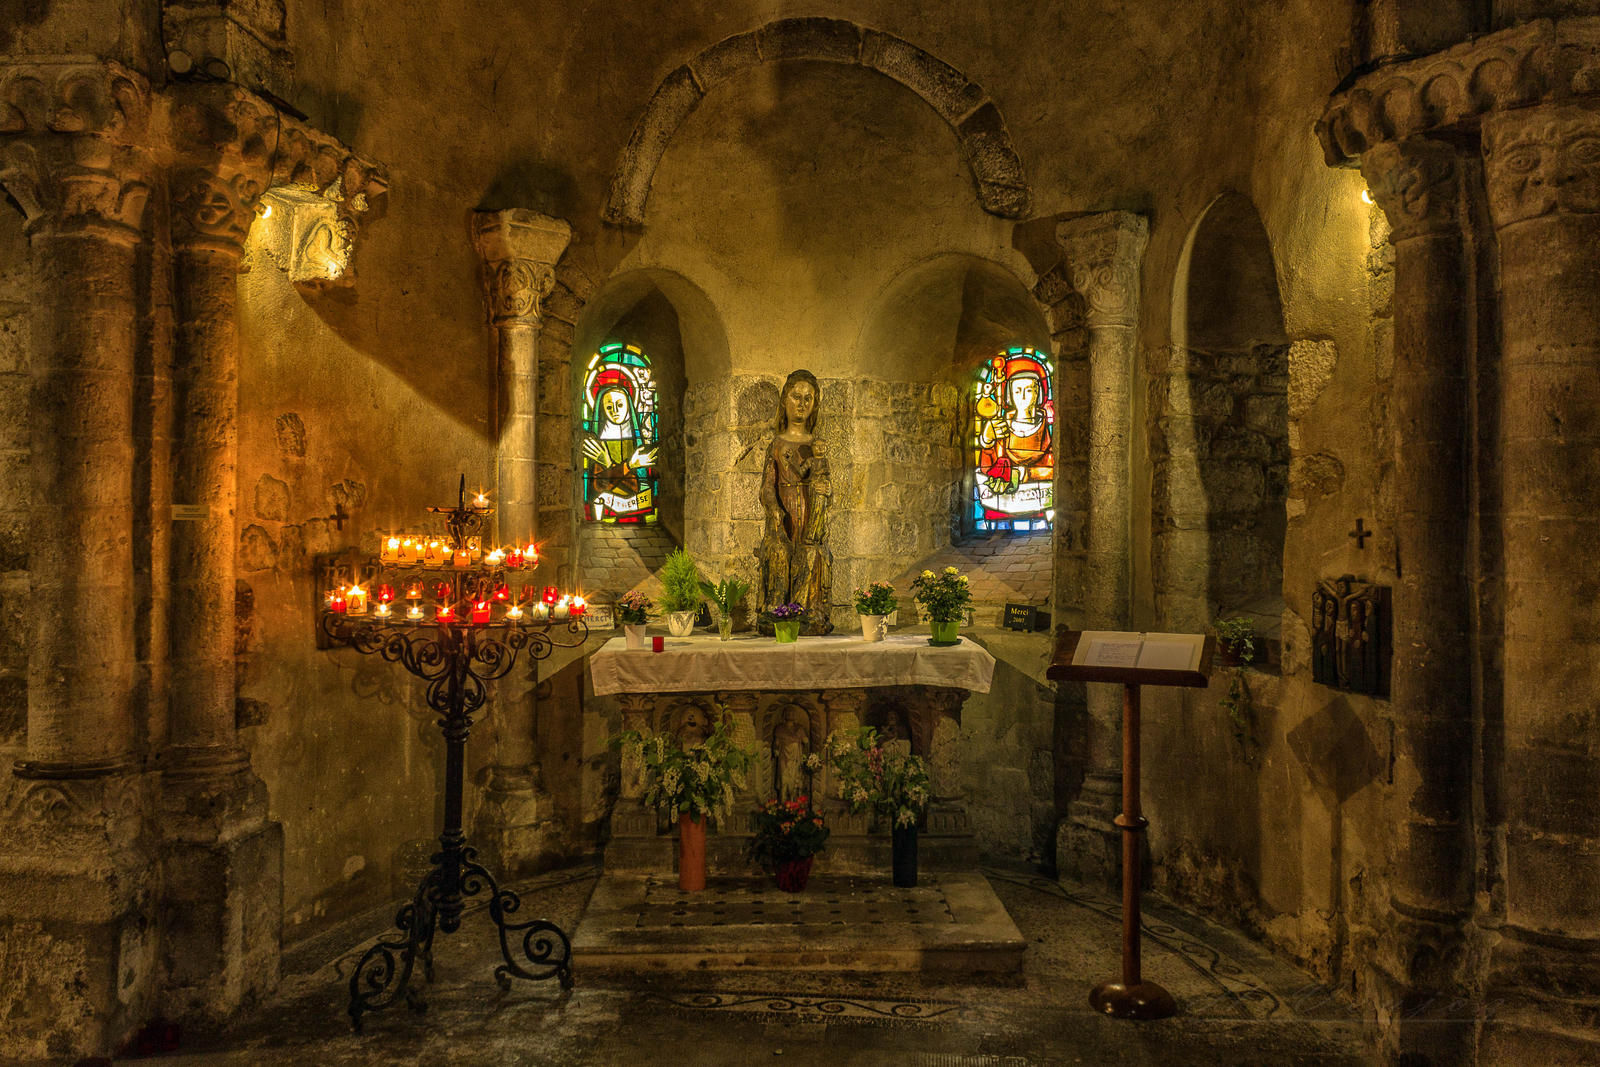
691, 853
633, 634
724, 627
944, 633
680, 623
905, 856
874, 627
792, 874
786, 632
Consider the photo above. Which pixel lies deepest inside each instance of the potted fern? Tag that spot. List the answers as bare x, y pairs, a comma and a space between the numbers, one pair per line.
680, 592
726, 595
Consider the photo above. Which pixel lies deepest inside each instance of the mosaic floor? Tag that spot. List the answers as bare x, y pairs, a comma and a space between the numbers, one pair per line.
1238, 1004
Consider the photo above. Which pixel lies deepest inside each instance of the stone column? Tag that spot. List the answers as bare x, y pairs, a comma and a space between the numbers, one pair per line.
1417, 182
1103, 254
224, 858
78, 878
519, 249
1543, 178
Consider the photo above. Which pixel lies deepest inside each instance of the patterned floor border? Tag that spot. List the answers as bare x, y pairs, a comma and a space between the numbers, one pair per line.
878, 1011
1237, 987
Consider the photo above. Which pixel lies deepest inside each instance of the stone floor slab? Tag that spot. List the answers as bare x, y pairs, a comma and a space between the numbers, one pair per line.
949, 923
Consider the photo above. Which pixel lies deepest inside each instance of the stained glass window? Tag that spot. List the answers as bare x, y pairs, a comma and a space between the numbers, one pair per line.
1014, 416
618, 449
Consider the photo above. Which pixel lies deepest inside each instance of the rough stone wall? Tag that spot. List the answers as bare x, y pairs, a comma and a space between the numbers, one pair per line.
1225, 418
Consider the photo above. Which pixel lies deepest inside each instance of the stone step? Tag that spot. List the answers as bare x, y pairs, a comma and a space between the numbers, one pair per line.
950, 923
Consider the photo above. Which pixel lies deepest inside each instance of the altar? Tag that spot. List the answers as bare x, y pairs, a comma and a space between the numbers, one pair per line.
781, 702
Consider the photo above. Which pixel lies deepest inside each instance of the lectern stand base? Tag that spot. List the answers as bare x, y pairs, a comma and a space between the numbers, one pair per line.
1146, 1000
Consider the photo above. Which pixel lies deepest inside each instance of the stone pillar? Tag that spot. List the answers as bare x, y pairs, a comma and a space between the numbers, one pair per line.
78, 881
1418, 184
1543, 179
224, 858
519, 249
1103, 254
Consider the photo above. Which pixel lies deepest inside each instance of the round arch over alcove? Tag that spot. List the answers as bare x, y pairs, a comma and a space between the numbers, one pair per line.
965, 107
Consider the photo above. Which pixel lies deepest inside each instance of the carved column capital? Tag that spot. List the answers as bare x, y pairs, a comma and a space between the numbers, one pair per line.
223, 140
519, 249
230, 146
1103, 254
71, 145
1542, 161
1417, 183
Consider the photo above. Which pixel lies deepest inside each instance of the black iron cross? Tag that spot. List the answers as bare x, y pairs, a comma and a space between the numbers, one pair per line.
339, 516
1360, 535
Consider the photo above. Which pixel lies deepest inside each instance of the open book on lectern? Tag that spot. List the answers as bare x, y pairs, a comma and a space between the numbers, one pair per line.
1133, 658
1154, 652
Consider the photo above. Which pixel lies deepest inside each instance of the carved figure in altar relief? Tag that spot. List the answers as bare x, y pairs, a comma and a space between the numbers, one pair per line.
790, 743
796, 488
693, 726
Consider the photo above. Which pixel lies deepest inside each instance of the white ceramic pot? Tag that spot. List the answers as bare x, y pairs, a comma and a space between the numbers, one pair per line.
633, 634
680, 623
874, 627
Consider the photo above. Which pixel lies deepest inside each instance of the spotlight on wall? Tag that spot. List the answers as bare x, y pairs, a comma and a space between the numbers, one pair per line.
1366, 196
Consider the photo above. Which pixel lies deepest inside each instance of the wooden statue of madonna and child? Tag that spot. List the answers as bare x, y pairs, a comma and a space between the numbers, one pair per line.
796, 487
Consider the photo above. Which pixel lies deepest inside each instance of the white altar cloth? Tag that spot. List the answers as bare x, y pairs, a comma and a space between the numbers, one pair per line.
703, 664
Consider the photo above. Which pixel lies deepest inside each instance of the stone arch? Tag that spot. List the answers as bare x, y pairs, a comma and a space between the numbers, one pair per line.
1222, 481
965, 107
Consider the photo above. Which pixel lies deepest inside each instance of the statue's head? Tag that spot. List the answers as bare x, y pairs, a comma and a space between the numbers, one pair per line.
797, 403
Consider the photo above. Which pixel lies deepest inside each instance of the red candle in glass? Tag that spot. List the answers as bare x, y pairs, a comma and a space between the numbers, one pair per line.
442, 590
385, 594
577, 606
514, 557
336, 601
480, 612
445, 614
550, 594
414, 591
502, 592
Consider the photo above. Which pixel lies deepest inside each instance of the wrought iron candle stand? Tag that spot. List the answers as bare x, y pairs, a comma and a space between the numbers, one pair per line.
458, 658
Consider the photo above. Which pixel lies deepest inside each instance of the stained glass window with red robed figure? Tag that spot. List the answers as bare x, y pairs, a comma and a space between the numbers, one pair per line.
618, 449
1013, 431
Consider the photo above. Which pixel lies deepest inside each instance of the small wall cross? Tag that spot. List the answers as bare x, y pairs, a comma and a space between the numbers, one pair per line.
1360, 535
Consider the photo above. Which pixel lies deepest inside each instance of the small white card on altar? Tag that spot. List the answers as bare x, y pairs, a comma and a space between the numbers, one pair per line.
1154, 652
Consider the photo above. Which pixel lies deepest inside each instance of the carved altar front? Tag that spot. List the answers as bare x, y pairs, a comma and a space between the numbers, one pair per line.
782, 702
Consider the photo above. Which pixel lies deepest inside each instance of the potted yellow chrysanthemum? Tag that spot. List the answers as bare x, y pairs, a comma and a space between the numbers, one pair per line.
944, 596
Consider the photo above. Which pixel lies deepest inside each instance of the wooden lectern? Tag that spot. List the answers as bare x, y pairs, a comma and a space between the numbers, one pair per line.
1131, 660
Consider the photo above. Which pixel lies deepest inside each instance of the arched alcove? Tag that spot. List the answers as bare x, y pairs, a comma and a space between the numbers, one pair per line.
674, 325
927, 333
1223, 479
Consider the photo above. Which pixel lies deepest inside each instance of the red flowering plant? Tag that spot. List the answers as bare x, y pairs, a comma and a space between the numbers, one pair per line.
787, 830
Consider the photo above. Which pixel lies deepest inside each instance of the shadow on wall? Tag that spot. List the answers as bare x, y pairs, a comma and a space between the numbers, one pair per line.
1222, 481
